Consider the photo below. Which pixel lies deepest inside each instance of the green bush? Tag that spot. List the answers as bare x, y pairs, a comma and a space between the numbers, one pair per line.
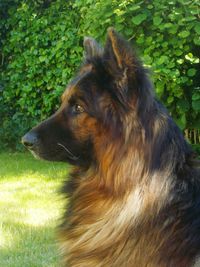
41, 46
168, 36
41, 51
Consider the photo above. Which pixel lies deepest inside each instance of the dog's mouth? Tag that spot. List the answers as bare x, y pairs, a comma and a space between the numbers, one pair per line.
69, 153
56, 154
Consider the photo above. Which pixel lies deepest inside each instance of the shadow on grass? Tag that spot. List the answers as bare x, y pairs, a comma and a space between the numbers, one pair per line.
29, 210
31, 246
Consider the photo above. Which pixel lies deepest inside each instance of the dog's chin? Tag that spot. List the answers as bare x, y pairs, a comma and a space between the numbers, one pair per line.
57, 157
41, 156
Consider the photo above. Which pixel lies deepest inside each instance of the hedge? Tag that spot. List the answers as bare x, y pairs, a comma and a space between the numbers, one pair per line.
41, 47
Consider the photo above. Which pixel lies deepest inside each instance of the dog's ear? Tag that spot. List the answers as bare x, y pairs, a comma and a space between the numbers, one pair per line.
129, 78
92, 48
120, 59
118, 50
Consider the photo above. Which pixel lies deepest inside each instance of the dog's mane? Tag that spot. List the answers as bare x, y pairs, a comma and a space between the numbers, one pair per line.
139, 177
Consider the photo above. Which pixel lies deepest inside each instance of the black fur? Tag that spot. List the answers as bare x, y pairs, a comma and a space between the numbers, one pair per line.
121, 115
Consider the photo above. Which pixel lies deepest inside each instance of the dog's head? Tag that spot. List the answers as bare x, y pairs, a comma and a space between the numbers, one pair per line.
111, 85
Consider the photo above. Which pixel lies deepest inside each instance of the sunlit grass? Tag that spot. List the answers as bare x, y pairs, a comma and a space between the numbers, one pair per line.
30, 208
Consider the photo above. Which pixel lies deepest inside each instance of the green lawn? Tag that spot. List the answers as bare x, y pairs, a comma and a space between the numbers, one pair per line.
30, 208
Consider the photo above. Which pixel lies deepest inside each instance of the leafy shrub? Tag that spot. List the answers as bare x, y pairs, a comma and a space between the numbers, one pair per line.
40, 52
42, 46
168, 36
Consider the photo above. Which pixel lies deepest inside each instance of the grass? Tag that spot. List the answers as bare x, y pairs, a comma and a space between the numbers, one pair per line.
30, 208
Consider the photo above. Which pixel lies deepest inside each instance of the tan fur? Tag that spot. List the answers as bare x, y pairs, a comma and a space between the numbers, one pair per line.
112, 36
105, 219
133, 196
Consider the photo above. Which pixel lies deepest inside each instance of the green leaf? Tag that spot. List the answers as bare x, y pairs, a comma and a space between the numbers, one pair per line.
140, 40
42, 58
197, 27
183, 105
147, 59
137, 20
165, 44
173, 29
178, 52
157, 20
191, 72
150, 6
160, 85
162, 59
196, 96
149, 40
197, 40
196, 105
181, 121
168, 25
190, 18
170, 99
184, 79
184, 34
134, 7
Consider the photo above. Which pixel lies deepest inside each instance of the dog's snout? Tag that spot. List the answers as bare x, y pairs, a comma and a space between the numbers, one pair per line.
30, 139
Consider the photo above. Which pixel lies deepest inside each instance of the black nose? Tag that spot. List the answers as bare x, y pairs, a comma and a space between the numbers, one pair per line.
30, 139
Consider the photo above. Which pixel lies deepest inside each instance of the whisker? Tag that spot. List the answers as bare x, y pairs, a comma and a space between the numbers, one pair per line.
68, 151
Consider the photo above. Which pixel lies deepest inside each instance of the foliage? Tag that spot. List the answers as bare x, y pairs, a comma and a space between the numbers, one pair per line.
40, 53
168, 36
43, 47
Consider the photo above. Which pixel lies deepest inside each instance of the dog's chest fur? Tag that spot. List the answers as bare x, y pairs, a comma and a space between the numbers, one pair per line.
106, 231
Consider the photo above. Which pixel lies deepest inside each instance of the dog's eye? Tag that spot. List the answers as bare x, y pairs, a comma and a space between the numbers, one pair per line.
77, 109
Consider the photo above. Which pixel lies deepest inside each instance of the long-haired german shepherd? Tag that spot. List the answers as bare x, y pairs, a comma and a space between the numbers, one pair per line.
134, 192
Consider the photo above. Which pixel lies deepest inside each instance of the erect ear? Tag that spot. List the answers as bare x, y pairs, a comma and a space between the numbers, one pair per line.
118, 51
129, 77
121, 63
92, 48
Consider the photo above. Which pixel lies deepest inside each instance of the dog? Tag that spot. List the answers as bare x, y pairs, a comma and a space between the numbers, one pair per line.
134, 192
